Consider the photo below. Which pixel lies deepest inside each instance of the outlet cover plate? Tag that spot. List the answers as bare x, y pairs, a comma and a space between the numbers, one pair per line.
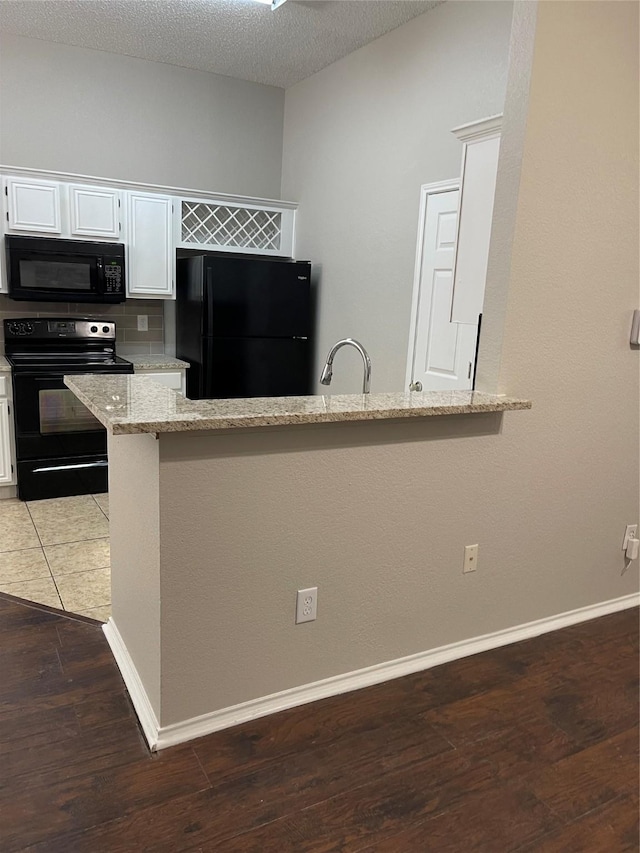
630, 533
307, 605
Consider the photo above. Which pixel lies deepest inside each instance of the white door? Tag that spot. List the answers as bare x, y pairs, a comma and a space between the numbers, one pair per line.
94, 212
443, 352
150, 246
33, 206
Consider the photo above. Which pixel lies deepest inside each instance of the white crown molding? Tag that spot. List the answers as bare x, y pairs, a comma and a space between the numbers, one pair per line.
92, 180
483, 129
162, 737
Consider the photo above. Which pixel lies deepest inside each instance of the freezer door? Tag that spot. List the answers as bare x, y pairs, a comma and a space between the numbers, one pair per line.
256, 367
247, 297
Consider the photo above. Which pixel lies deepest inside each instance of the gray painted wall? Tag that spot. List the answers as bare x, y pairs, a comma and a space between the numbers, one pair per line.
360, 138
90, 112
377, 514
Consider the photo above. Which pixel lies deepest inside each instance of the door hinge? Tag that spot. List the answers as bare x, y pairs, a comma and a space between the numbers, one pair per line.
6, 190
470, 369
119, 203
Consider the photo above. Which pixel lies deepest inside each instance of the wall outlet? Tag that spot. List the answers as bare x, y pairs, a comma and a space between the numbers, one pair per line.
307, 605
143, 323
470, 558
631, 532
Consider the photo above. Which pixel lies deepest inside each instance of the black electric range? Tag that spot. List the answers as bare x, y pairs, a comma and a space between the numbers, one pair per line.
61, 448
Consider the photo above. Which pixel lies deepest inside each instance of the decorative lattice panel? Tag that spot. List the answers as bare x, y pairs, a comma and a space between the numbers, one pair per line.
204, 223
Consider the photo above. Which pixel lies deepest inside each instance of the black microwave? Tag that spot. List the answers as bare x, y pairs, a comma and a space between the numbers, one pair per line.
48, 269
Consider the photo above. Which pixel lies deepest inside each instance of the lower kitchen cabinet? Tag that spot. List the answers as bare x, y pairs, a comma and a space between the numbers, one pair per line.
175, 379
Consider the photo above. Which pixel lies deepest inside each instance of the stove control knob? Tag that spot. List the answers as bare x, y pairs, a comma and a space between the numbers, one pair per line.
105, 329
93, 329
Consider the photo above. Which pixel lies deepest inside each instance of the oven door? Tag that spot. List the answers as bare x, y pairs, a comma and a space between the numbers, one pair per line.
61, 448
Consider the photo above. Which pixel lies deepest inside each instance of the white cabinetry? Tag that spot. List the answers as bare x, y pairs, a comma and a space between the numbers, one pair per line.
94, 212
62, 209
478, 185
220, 226
6, 469
150, 246
33, 206
176, 379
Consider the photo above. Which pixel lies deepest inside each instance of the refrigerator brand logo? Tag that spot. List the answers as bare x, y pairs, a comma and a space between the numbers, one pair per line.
302, 278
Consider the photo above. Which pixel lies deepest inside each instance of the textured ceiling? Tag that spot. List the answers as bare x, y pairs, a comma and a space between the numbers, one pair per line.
237, 38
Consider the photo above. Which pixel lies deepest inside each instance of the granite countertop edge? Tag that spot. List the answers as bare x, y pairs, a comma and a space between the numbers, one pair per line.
114, 401
156, 362
5, 367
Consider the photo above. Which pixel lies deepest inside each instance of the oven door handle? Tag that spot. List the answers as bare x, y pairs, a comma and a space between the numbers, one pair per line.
46, 469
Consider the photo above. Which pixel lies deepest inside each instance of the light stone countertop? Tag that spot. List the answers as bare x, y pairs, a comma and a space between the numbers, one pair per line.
5, 367
155, 362
129, 404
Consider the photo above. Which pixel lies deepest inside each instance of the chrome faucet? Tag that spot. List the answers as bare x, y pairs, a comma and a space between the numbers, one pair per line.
327, 370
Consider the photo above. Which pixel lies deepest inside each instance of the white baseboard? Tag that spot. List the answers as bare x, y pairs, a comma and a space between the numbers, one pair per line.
161, 737
138, 694
8, 492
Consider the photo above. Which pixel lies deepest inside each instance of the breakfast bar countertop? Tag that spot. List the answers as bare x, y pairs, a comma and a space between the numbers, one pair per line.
128, 405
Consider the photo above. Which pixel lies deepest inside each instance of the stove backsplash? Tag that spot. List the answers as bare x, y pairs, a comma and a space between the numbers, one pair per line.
129, 341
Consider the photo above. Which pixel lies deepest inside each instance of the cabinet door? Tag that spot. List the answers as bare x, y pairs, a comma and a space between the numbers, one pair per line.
6, 474
150, 246
474, 229
94, 212
33, 206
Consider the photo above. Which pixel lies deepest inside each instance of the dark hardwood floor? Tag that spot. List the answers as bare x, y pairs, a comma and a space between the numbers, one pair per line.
532, 747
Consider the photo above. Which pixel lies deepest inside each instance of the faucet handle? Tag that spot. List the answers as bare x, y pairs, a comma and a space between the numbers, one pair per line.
415, 386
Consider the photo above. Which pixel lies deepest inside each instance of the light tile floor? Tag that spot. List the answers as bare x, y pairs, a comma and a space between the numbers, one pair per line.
56, 552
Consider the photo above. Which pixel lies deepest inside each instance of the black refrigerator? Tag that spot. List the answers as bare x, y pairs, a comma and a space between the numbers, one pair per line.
244, 326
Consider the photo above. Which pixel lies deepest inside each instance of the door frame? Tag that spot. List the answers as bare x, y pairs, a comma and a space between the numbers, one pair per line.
426, 190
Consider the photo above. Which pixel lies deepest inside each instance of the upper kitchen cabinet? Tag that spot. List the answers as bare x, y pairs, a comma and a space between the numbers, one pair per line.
33, 206
94, 212
480, 152
150, 246
63, 209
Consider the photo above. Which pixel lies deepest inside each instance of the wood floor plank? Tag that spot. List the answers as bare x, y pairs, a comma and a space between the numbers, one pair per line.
276, 788
31, 813
378, 810
588, 779
496, 820
611, 829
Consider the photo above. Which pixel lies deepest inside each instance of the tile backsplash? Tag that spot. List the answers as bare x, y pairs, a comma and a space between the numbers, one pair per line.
129, 341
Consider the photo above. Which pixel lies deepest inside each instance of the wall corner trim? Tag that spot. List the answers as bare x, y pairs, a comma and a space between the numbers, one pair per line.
134, 685
160, 738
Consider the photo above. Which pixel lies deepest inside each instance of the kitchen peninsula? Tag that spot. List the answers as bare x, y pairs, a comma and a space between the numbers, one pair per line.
222, 509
